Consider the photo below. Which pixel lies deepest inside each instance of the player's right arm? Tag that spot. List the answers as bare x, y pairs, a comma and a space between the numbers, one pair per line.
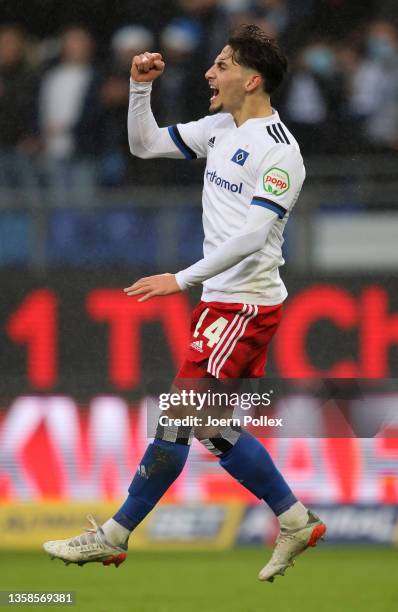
146, 138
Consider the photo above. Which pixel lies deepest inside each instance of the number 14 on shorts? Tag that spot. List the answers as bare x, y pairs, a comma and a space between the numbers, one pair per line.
213, 331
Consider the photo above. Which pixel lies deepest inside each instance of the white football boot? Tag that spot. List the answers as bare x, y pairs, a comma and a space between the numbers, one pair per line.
86, 548
289, 544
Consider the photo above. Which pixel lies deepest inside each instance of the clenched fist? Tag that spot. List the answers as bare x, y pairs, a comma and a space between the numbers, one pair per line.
147, 67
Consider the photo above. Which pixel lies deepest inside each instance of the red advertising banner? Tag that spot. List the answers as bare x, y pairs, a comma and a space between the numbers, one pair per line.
51, 448
51, 337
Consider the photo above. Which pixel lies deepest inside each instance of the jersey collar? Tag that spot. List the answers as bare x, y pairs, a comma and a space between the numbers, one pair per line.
260, 120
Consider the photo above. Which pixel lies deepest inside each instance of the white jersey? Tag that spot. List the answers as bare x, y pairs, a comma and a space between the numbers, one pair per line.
258, 163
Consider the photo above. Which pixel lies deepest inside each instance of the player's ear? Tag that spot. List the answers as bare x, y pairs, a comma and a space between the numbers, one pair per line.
253, 82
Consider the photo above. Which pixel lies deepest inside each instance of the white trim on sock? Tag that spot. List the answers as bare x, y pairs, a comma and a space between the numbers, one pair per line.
115, 533
295, 517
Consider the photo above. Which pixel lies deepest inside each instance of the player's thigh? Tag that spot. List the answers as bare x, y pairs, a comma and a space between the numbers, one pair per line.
215, 327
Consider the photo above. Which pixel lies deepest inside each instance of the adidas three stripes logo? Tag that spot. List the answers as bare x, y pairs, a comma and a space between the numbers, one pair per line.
276, 131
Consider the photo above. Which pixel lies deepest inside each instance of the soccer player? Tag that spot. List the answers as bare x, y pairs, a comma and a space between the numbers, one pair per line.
253, 177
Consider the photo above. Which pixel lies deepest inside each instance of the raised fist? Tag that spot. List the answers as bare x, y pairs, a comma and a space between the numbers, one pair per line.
147, 67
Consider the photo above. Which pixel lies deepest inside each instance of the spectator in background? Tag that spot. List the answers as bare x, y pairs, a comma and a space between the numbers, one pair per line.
276, 14
213, 19
179, 42
114, 96
18, 135
261, 13
374, 86
239, 11
313, 99
210, 26
69, 119
153, 14
237, 6
337, 18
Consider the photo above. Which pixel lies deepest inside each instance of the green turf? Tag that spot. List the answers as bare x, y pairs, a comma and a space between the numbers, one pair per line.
332, 579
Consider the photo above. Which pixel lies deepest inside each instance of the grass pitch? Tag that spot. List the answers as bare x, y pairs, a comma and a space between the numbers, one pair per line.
323, 580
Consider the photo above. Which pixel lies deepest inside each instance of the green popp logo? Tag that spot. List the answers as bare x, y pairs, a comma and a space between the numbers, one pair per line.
276, 181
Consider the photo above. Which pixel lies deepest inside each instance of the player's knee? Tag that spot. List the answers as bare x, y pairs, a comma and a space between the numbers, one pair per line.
203, 432
218, 441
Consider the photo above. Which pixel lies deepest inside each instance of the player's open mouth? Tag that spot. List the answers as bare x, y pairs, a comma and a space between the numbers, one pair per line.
215, 93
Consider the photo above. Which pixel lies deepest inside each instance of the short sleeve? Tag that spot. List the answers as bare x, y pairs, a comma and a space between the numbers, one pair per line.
191, 138
280, 177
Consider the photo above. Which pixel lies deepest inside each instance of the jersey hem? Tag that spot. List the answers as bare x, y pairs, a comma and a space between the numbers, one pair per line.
210, 295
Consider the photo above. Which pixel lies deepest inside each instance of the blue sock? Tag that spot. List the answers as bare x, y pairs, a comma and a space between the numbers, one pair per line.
158, 469
251, 464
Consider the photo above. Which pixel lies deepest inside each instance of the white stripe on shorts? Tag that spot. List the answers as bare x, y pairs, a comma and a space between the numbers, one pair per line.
245, 324
220, 343
230, 339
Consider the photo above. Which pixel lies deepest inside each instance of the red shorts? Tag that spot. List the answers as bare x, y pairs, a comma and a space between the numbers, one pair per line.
229, 340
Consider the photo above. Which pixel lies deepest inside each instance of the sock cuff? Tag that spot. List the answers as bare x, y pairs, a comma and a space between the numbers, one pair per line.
141, 509
284, 504
167, 444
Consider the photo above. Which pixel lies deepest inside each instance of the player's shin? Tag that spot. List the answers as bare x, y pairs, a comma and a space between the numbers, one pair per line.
249, 462
161, 464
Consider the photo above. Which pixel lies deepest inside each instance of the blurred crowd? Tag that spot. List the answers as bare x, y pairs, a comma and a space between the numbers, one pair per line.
64, 94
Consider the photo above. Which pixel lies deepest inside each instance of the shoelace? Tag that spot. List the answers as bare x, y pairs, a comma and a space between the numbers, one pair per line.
94, 525
90, 534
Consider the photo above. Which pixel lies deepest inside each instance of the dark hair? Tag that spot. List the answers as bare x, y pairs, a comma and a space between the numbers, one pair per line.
254, 49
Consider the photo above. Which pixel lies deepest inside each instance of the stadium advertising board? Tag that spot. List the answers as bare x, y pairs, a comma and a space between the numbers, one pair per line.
193, 525
76, 354
79, 334
53, 448
353, 524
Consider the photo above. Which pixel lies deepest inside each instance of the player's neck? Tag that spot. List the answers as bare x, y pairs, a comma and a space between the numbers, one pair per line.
252, 109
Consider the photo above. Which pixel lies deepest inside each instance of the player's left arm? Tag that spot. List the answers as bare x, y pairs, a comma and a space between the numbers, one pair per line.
279, 180
251, 238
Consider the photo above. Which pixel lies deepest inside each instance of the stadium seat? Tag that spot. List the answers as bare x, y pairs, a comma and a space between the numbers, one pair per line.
15, 238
